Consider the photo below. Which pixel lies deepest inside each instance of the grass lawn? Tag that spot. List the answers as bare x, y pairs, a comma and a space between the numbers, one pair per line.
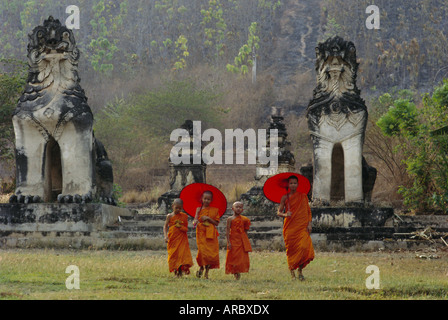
40, 274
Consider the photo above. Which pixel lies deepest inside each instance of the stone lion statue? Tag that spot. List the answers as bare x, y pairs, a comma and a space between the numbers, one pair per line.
337, 119
336, 91
57, 155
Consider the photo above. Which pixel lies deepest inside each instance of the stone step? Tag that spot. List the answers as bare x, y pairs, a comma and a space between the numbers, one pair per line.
262, 224
103, 226
268, 228
438, 221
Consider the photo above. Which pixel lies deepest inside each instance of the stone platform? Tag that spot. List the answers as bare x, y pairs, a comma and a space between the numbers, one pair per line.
56, 225
99, 226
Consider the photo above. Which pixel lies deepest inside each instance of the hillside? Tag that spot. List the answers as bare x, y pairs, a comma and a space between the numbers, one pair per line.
408, 50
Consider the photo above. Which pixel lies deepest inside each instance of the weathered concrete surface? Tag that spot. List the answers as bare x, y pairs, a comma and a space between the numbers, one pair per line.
352, 217
55, 217
54, 225
98, 226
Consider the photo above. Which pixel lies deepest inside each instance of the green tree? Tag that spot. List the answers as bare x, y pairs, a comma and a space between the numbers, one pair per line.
147, 119
12, 82
425, 152
105, 24
244, 60
384, 150
181, 51
160, 111
332, 29
214, 27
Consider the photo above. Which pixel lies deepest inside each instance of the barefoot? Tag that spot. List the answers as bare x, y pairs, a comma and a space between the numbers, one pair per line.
293, 275
301, 277
199, 272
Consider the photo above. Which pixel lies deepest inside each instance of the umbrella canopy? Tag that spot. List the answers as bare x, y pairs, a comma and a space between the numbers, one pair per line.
277, 186
191, 195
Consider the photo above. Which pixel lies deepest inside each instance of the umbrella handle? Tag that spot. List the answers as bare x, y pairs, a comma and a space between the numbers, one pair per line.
194, 225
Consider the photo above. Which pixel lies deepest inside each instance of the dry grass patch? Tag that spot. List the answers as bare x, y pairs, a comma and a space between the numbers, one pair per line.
40, 274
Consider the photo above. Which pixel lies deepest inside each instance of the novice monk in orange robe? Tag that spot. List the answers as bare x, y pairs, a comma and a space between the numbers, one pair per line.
296, 228
206, 220
179, 254
238, 244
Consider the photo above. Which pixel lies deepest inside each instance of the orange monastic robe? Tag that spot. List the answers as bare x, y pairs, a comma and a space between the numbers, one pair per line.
299, 248
179, 253
237, 259
207, 239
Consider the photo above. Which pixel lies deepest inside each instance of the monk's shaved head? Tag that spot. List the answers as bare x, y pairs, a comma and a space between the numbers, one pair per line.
178, 202
237, 203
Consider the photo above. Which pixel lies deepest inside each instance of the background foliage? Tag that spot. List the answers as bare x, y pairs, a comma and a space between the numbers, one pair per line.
425, 151
12, 82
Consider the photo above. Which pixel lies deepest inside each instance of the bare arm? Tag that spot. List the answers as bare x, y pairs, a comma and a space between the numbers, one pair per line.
165, 227
196, 217
309, 227
280, 212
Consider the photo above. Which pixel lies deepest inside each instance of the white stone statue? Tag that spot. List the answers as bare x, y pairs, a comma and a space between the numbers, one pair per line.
337, 118
57, 156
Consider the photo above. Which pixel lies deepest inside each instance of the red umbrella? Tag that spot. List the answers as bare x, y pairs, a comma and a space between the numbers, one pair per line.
191, 195
277, 186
